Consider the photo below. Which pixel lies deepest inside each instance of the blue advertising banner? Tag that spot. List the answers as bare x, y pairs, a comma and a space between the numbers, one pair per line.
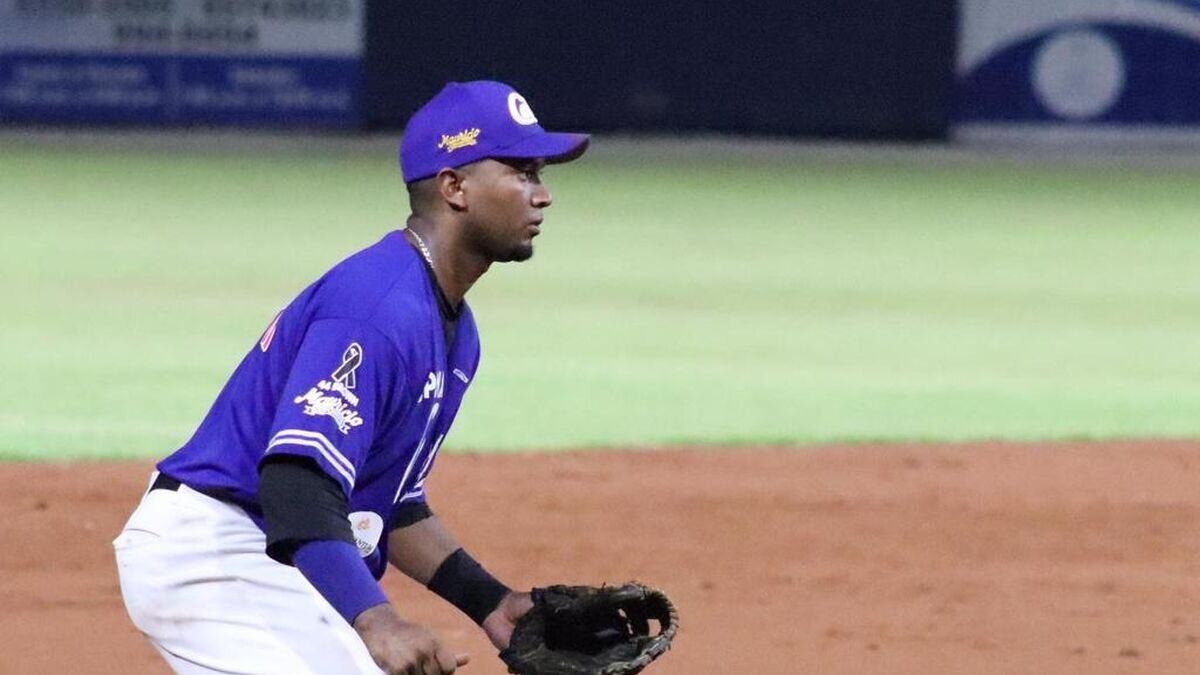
1080, 64
243, 62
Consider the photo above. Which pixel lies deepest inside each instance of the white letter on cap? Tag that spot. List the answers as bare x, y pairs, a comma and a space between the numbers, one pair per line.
519, 109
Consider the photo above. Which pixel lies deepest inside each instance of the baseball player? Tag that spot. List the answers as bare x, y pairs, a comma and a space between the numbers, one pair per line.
259, 544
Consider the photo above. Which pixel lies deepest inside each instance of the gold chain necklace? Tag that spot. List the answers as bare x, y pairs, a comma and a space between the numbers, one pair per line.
442, 299
423, 248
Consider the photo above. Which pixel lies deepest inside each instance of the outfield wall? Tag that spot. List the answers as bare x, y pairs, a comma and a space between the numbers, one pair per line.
854, 68
862, 68
866, 68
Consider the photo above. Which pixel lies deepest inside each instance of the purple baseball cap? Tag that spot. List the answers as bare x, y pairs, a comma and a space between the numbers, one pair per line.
470, 121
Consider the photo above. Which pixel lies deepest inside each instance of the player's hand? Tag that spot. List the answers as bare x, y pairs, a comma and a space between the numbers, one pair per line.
500, 623
403, 648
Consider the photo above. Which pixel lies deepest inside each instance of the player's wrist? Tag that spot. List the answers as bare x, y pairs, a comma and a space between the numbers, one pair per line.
464, 583
500, 623
379, 618
514, 604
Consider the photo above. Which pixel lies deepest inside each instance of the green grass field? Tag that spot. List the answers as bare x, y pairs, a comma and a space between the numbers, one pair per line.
673, 298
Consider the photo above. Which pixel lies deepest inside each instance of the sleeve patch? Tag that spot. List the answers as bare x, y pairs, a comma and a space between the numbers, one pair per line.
334, 397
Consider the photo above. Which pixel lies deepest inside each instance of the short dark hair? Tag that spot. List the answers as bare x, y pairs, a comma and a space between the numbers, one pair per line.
421, 194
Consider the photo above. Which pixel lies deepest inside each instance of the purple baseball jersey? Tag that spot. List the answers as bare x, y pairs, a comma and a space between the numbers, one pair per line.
355, 374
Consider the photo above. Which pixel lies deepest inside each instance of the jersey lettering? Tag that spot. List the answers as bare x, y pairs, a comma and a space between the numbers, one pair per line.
435, 386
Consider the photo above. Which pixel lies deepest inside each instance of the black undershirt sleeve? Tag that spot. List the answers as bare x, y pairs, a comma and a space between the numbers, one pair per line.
412, 513
300, 504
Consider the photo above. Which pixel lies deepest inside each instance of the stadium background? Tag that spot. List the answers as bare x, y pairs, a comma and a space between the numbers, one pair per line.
904, 298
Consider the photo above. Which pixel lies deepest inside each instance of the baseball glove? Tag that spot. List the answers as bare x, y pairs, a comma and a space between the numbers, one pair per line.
583, 630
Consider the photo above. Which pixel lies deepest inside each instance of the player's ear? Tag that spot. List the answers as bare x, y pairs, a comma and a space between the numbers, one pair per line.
450, 187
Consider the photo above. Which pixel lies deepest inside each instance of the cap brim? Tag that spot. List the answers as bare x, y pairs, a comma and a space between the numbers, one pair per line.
553, 147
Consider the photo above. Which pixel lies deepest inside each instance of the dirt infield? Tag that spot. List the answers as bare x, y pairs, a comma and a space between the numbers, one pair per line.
985, 558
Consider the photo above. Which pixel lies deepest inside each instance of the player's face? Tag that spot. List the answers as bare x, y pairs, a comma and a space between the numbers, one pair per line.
506, 202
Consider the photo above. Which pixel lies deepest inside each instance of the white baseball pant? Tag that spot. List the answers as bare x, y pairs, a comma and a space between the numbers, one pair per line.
198, 584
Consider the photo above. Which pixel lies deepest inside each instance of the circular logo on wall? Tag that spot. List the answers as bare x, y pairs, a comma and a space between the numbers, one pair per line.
1079, 74
1080, 62
519, 109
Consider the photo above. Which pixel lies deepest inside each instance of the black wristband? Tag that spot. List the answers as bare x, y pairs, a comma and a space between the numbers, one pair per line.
462, 582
